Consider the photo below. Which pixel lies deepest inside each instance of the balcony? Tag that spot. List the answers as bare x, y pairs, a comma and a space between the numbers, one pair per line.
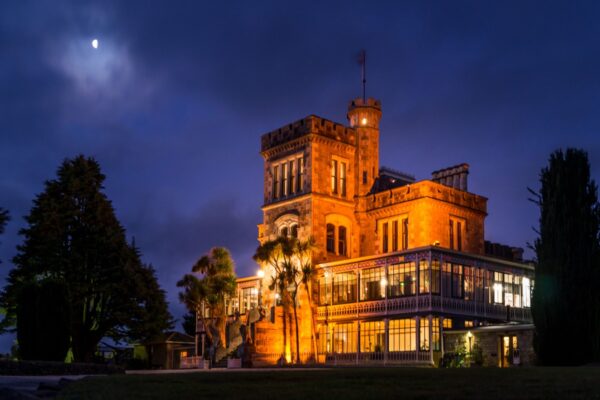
418, 304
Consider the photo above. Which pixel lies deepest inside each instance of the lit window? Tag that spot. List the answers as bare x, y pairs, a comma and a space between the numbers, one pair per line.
447, 324
275, 181
334, 182
402, 335
424, 339
343, 178
469, 324
526, 292
364, 121
285, 172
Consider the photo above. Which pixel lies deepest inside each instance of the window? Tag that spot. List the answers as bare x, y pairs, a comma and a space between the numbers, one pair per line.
249, 299
469, 324
344, 338
300, 173
343, 179
365, 177
402, 279
469, 283
405, 234
324, 291
447, 323
497, 287
390, 234
337, 235
372, 337
394, 235
334, 181
435, 334
447, 280
385, 237
284, 232
435, 276
402, 335
372, 284
275, 181
342, 240
424, 339
294, 231
344, 288
457, 281
456, 233
288, 177
508, 290
479, 289
330, 238
285, 171
292, 180
526, 292
424, 277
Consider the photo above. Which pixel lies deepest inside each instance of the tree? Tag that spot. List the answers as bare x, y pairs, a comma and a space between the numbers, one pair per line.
566, 300
208, 295
43, 321
4, 218
291, 260
74, 237
271, 253
308, 271
189, 323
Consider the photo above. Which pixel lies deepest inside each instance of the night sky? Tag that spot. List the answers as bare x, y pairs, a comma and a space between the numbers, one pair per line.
174, 100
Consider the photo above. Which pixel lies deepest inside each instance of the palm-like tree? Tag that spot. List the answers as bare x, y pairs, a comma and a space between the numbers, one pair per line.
308, 273
211, 291
271, 253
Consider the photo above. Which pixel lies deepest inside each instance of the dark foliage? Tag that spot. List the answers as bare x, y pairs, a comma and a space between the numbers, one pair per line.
73, 236
566, 299
43, 319
189, 323
4, 218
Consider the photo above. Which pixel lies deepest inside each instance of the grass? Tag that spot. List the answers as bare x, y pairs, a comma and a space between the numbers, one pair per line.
347, 384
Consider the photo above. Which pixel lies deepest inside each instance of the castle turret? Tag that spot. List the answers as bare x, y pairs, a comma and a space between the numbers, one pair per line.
364, 116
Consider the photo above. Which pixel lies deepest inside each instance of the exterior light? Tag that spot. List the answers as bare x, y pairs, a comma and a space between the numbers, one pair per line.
363, 121
260, 273
276, 296
326, 274
383, 282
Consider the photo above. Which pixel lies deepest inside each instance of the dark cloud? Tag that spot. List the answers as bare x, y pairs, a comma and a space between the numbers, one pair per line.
174, 101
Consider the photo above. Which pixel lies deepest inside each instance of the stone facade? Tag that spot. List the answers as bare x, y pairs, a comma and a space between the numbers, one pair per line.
323, 180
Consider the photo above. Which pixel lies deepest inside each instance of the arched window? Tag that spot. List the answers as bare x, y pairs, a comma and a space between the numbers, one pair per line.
295, 231
284, 231
342, 240
330, 238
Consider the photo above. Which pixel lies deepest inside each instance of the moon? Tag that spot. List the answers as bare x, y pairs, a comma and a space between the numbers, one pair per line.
95, 43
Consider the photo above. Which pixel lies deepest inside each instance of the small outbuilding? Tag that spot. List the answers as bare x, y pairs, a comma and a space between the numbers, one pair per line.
505, 345
166, 350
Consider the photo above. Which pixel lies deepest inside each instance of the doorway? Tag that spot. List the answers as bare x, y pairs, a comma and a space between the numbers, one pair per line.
509, 353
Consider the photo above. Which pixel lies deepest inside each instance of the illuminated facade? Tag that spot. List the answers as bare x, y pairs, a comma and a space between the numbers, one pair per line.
399, 261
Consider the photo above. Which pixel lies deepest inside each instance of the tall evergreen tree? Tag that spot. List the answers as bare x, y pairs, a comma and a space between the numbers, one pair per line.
73, 236
566, 298
189, 323
4, 217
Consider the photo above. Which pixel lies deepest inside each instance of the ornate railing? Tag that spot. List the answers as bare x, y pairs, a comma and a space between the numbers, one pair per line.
379, 358
404, 305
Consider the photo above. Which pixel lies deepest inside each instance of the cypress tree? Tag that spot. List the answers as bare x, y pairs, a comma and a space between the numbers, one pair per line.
566, 299
74, 237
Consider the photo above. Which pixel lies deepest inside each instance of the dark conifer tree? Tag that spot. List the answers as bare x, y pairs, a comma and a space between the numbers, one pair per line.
189, 323
566, 298
73, 236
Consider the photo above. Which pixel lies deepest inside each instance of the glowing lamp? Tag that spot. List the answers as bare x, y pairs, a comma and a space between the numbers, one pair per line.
383, 282
363, 121
260, 273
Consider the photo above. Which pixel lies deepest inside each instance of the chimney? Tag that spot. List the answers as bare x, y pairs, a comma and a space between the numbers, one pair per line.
455, 176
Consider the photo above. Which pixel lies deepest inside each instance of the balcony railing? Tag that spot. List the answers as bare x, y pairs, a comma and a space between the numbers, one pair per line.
379, 358
414, 304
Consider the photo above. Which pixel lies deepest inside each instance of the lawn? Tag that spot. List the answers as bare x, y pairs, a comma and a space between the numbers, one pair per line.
348, 383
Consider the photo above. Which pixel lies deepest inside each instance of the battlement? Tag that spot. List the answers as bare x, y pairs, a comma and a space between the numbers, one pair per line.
309, 125
360, 102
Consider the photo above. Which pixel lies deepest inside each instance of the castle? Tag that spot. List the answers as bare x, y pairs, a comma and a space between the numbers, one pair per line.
404, 273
